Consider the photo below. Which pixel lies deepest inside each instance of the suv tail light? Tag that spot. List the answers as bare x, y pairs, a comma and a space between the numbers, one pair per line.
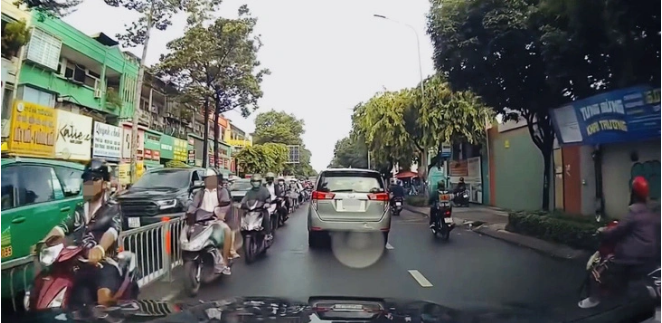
317, 195
378, 197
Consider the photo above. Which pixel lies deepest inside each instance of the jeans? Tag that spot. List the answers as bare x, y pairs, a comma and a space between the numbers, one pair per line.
266, 221
433, 214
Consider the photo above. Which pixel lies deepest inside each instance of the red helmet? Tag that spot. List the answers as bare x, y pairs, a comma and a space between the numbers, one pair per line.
640, 187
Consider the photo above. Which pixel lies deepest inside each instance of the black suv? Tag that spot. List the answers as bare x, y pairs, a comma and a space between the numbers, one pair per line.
158, 193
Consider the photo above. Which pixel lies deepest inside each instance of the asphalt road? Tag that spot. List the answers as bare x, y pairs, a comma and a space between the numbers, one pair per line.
469, 269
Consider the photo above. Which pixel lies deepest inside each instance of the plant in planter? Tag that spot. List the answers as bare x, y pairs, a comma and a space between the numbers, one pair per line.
14, 36
113, 99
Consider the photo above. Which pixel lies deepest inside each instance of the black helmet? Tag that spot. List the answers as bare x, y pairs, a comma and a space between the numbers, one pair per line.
441, 184
95, 170
461, 179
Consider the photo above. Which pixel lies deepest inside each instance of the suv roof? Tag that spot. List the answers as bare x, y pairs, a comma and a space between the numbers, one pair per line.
349, 170
51, 162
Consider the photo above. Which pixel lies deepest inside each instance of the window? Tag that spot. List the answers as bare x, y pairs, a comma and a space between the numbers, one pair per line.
6, 101
358, 182
36, 96
26, 185
44, 49
70, 179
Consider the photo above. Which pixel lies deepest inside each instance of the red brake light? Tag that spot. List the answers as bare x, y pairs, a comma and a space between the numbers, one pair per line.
317, 195
447, 214
378, 197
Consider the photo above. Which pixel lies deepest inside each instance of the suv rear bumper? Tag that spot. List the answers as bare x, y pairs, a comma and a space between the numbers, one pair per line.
317, 224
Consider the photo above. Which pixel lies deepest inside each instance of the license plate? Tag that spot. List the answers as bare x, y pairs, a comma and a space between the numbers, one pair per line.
398, 203
444, 197
448, 220
351, 204
134, 222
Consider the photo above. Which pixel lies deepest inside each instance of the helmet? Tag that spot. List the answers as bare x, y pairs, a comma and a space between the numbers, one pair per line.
281, 178
270, 175
640, 187
95, 170
441, 184
209, 172
256, 178
461, 179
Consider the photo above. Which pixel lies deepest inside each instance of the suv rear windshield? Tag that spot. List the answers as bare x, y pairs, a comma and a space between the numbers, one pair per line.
164, 178
358, 182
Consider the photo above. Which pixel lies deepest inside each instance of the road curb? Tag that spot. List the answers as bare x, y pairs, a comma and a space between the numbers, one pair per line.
544, 247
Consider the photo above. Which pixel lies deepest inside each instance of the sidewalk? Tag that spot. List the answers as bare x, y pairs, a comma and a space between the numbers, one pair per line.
491, 221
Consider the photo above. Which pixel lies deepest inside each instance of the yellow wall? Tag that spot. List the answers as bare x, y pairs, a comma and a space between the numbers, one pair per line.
9, 9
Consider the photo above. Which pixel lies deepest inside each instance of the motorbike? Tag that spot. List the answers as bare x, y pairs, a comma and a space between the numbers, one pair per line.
283, 212
461, 198
252, 231
200, 254
55, 286
443, 224
396, 207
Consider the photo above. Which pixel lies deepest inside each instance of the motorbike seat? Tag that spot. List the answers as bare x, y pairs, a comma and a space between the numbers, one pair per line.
127, 261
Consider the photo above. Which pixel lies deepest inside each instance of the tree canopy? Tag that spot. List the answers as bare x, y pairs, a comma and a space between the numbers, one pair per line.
283, 128
401, 127
262, 158
349, 152
524, 58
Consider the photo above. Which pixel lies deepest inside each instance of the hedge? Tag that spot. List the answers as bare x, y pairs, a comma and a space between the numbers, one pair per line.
574, 231
416, 200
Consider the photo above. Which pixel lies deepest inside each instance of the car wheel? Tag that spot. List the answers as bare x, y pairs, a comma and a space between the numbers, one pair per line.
313, 240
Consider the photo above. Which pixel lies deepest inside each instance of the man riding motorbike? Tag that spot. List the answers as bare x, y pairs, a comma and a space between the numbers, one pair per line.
396, 190
637, 244
214, 202
96, 223
260, 193
281, 190
433, 199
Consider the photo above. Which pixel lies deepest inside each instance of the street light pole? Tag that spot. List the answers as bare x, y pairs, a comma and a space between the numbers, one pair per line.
418, 49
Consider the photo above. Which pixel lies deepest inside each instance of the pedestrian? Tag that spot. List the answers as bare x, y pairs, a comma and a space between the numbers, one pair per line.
637, 246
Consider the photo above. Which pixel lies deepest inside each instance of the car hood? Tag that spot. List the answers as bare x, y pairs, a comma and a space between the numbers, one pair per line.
314, 310
147, 194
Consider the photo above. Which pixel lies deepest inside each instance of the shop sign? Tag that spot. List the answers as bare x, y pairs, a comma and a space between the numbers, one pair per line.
152, 141
126, 142
148, 154
107, 142
156, 155
191, 157
74, 136
33, 130
167, 144
180, 150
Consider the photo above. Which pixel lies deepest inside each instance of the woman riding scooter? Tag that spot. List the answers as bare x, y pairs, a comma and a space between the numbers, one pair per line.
637, 244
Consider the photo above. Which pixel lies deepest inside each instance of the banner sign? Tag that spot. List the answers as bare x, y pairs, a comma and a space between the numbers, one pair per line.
107, 141
625, 115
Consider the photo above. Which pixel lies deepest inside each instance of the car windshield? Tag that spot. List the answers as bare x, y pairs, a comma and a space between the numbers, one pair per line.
164, 179
242, 185
356, 182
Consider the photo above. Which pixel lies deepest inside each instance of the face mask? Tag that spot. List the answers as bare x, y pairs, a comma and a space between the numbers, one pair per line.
255, 184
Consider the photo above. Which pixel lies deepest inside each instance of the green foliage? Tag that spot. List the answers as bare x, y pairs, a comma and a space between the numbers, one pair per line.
113, 99
283, 128
14, 36
176, 164
349, 152
416, 200
52, 8
268, 157
577, 232
218, 61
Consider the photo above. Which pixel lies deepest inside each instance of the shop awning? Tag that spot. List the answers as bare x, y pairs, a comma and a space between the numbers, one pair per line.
406, 174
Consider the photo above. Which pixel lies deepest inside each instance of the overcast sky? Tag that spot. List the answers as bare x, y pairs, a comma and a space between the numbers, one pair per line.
325, 56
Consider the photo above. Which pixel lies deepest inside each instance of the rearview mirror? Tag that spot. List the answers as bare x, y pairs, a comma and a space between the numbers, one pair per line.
198, 184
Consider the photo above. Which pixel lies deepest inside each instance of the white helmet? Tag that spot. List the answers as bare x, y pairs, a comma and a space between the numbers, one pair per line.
209, 172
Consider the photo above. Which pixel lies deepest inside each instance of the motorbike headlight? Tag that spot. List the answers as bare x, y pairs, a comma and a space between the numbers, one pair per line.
166, 204
47, 256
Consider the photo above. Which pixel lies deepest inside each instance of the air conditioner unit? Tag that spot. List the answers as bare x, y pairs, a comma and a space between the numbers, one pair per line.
97, 93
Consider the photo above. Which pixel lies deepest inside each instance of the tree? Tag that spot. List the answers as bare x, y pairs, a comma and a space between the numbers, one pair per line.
284, 128
268, 157
524, 58
14, 36
219, 62
349, 153
53, 8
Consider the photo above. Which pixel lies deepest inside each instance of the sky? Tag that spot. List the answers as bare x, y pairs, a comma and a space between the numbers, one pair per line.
324, 56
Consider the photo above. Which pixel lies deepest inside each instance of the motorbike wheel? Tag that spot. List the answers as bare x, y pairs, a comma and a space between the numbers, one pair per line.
250, 249
191, 279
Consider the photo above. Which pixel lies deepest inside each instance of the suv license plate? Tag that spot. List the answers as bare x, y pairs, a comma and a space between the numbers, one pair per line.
448, 220
134, 222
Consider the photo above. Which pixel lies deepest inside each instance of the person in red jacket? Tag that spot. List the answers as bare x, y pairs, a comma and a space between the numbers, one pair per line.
637, 243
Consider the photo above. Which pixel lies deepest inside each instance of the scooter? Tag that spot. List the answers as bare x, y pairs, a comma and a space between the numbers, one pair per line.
444, 224
56, 285
254, 235
396, 208
200, 253
461, 198
283, 212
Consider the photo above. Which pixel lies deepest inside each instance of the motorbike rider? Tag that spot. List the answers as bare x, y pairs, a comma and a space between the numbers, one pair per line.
433, 199
260, 193
214, 202
282, 191
637, 242
96, 223
396, 190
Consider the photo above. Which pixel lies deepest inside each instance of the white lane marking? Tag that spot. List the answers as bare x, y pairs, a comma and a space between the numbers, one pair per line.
420, 279
389, 246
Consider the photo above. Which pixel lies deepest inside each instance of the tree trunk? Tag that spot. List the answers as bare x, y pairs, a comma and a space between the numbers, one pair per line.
136, 98
205, 142
217, 135
547, 177
542, 134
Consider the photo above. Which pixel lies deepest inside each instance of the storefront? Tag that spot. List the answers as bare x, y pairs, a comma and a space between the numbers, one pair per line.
74, 136
197, 145
124, 172
470, 169
33, 130
152, 155
173, 149
107, 142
